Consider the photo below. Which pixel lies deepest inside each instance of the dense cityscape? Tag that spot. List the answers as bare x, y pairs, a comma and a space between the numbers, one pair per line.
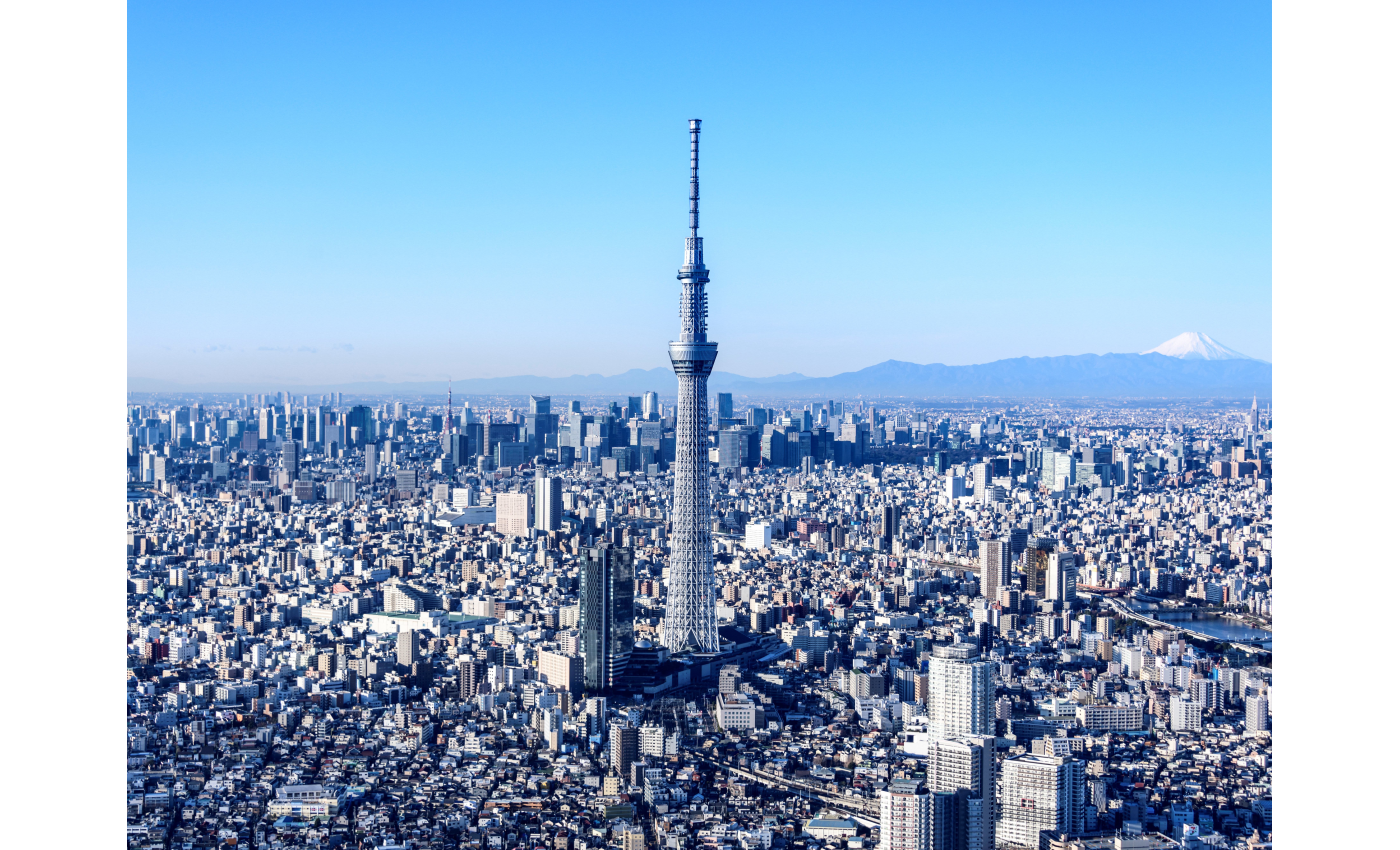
350, 624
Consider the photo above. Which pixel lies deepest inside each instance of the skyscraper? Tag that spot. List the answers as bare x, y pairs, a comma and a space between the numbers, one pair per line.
961, 698
549, 502
605, 615
539, 424
291, 459
690, 603
1037, 562
371, 461
996, 566
651, 405
725, 403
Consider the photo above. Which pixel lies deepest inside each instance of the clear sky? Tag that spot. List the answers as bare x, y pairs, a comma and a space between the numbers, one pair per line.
324, 192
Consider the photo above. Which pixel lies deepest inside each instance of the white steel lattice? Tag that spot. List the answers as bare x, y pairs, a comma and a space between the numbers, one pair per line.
690, 595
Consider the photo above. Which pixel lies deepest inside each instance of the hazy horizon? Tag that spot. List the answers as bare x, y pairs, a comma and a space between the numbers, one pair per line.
410, 193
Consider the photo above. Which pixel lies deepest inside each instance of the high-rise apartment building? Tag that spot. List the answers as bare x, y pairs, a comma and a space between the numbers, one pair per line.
470, 674
906, 819
964, 764
549, 502
1185, 713
961, 697
407, 646
690, 621
605, 615
552, 727
995, 566
1039, 792
622, 746
1256, 714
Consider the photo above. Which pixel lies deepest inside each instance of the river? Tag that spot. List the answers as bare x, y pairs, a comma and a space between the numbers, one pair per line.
1218, 627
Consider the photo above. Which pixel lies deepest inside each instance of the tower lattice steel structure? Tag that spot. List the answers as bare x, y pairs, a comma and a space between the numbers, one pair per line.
690, 595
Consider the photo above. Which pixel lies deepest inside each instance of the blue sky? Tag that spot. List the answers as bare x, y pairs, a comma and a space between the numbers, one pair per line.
340, 192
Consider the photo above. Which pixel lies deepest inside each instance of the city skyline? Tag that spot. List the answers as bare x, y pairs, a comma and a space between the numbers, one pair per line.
351, 204
295, 200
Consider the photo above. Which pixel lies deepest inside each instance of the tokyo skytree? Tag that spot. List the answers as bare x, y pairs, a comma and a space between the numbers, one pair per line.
690, 595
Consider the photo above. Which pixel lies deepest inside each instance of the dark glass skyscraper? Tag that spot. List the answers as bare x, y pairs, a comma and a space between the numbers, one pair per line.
605, 615
690, 594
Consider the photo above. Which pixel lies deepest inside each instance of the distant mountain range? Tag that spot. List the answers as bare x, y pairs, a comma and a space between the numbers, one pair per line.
1203, 369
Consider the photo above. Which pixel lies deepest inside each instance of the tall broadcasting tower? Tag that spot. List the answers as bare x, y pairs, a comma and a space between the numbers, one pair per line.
690, 597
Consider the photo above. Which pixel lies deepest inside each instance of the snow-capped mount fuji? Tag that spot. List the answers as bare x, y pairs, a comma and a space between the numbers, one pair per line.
1194, 345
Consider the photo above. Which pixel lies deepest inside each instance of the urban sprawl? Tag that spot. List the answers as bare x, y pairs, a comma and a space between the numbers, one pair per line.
407, 623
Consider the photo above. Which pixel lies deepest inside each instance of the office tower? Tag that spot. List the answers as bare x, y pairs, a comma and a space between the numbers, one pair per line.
690, 604
461, 450
725, 403
889, 525
622, 745
549, 502
961, 697
470, 674
1256, 714
906, 819
634, 407
562, 670
1037, 561
539, 424
651, 405
358, 424
407, 646
291, 459
1061, 577
513, 515
967, 763
995, 558
733, 449
1037, 793
605, 615
371, 460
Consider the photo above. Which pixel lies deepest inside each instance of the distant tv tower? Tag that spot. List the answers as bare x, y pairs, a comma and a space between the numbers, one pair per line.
690, 597
447, 420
